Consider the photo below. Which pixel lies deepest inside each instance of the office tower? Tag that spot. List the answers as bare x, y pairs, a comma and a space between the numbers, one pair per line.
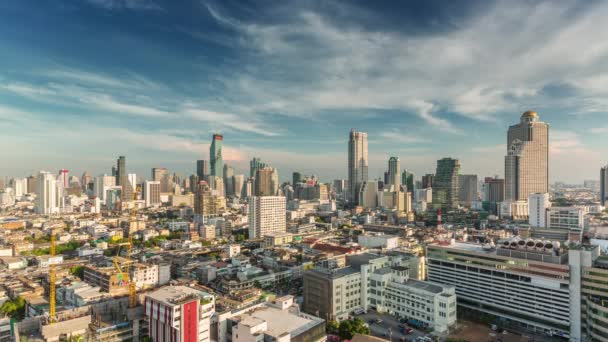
179, 314
31, 184
266, 215
216, 184
132, 177
121, 169
527, 160
161, 174
85, 180
202, 169
216, 162
206, 203
152, 193
63, 178
407, 179
267, 182
193, 183
228, 180
339, 185
494, 190
296, 178
238, 182
248, 188
114, 172
468, 189
538, 204
101, 184
604, 185
445, 184
254, 165
357, 163
394, 173
427, 180
368, 194
386, 179
47, 194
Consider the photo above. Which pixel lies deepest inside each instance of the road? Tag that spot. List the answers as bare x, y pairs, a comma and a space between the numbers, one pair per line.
388, 321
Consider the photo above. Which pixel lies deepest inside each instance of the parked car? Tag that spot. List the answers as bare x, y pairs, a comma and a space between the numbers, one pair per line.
378, 321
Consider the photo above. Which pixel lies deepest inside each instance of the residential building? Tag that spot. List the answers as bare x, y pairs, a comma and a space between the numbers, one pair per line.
494, 190
152, 193
538, 204
267, 215
566, 218
228, 180
368, 195
527, 160
47, 194
254, 165
357, 163
267, 182
216, 162
202, 169
446, 188
238, 182
468, 189
179, 314
427, 180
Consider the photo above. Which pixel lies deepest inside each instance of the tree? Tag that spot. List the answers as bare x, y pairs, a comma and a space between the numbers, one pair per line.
332, 327
14, 308
349, 328
77, 271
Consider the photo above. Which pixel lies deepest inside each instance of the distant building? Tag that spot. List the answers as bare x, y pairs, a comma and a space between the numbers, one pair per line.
538, 204
267, 215
47, 194
357, 163
254, 165
446, 187
604, 185
408, 181
494, 190
468, 189
202, 169
267, 182
296, 178
228, 180
368, 195
215, 156
152, 193
427, 180
527, 160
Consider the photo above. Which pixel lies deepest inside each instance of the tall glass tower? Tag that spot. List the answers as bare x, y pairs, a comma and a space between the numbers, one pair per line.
215, 156
446, 184
357, 163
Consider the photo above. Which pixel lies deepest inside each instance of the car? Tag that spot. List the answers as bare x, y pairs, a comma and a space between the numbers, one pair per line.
378, 321
409, 330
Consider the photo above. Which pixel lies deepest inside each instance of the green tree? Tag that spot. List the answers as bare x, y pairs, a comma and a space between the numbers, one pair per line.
77, 271
349, 328
332, 327
14, 308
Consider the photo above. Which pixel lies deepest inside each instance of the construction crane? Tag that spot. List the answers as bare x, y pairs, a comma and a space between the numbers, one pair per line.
130, 270
52, 280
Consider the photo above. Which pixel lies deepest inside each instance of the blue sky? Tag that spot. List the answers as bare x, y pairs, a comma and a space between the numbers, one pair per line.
82, 82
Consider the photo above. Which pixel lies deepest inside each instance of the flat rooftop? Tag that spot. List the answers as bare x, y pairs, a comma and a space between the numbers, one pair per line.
425, 286
280, 322
171, 295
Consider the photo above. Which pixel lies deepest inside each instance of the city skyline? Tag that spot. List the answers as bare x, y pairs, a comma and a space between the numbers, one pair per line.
122, 88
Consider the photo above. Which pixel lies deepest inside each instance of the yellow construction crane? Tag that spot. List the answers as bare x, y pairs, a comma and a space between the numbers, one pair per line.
130, 279
52, 280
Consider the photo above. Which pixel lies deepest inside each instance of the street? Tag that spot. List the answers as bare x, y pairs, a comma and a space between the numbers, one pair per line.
388, 321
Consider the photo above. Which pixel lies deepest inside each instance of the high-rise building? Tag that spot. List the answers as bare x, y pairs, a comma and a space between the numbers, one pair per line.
427, 180
468, 189
266, 215
368, 194
446, 189
254, 165
296, 178
85, 180
216, 183
31, 184
63, 179
228, 180
494, 190
206, 203
604, 185
47, 194
121, 169
152, 193
267, 182
339, 185
527, 160
202, 169
179, 314
357, 163
238, 182
216, 162
538, 204
161, 174
394, 173
407, 179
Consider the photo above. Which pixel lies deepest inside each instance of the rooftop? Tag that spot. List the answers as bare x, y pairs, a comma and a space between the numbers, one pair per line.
172, 295
425, 286
280, 322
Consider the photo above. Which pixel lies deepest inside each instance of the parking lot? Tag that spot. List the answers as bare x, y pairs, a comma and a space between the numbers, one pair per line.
388, 322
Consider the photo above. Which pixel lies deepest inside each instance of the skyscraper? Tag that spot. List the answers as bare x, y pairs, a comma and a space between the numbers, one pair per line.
394, 173
494, 190
202, 169
427, 180
267, 182
47, 194
296, 178
238, 182
254, 165
215, 156
604, 185
161, 174
152, 193
468, 189
445, 185
266, 215
121, 170
527, 160
537, 210
228, 180
407, 179
357, 163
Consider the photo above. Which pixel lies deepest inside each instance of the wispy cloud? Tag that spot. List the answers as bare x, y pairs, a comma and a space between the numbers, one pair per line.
147, 5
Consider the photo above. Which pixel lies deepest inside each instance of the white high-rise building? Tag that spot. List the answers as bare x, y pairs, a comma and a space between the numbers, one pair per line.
266, 215
238, 182
537, 209
368, 194
152, 193
567, 218
20, 186
102, 183
357, 163
132, 177
527, 160
47, 194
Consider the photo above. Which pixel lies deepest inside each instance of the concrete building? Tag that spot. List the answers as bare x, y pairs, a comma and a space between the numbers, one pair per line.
531, 285
538, 204
216, 161
238, 182
468, 191
267, 214
179, 314
48, 195
446, 188
604, 185
493, 190
202, 169
267, 182
229, 180
368, 194
378, 240
357, 163
152, 193
566, 218
527, 160
102, 183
